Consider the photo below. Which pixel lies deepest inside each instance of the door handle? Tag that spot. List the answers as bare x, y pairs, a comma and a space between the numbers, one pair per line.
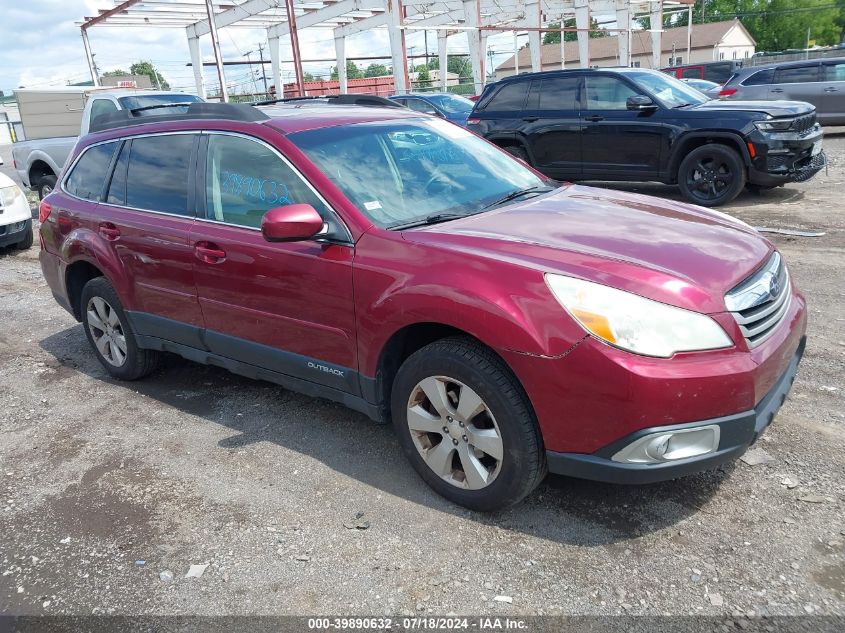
530, 119
594, 118
830, 89
209, 252
109, 231
777, 89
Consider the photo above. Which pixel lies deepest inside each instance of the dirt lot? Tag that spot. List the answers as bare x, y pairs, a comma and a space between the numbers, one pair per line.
110, 491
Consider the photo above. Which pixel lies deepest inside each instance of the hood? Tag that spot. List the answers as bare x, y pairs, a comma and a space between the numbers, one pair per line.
772, 108
672, 252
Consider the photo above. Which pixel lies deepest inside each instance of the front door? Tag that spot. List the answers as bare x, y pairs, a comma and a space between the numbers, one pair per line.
553, 127
286, 307
150, 212
617, 142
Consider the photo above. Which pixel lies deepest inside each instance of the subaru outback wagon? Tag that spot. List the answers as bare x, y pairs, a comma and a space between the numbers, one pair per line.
413, 271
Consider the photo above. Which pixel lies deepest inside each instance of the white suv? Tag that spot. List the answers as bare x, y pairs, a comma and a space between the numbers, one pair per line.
15, 215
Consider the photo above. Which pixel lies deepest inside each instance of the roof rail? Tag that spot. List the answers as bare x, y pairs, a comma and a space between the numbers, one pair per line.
344, 99
193, 110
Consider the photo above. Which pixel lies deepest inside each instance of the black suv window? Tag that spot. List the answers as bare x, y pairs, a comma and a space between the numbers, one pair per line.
511, 96
157, 173
560, 93
760, 78
797, 74
607, 93
89, 174
245, 179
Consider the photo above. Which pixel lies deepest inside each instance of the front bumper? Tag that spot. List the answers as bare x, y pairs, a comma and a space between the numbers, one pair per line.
737, 433
9, 236
786, 157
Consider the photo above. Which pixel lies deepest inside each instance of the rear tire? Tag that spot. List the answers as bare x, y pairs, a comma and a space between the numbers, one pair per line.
45, 186
492, 454
711, 175
110, 333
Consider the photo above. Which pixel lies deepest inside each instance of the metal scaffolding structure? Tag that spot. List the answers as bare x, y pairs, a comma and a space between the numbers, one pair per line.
473, 19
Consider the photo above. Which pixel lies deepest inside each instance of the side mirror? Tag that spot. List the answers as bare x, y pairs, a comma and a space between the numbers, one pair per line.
640, 102
292, 223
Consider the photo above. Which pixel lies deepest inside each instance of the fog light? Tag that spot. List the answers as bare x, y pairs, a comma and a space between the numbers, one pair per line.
18, 226
667, 446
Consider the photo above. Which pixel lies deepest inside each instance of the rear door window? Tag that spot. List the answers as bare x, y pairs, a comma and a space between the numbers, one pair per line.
88, 177
245, 179
560, 93
834, 72
797, 74
761, 78
158, 172
509, 97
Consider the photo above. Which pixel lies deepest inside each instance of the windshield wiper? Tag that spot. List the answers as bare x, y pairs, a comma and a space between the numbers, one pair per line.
434, 218
513, 195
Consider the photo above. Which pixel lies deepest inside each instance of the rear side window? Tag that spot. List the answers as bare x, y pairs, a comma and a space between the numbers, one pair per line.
797, 75
87, 180
102, 106
245, 179
510, 97
559, 93
696, 72
157, 173
834, 72
761, 78
117, 187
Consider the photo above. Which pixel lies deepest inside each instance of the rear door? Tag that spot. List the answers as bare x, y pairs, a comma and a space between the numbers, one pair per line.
286, 307
552, 125
832, 108
798, 83
615, 141
501, 115
147, 215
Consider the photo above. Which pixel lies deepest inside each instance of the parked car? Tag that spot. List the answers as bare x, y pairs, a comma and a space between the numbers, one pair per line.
411, 270
708, 88
53, 119
455, 108
15, 215
642, 125
718, 72
820, 82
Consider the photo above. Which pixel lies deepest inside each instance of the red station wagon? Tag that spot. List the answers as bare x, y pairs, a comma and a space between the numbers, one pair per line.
411, 270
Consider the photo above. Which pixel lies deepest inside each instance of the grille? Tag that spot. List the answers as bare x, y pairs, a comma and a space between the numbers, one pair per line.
804, 123
760, 303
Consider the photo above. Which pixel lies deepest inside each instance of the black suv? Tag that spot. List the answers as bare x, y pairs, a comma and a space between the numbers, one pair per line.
642, 125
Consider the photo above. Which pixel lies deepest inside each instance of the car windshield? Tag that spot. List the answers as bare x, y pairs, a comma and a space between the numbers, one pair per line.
144, 101
453, 104
670, 91
401, 172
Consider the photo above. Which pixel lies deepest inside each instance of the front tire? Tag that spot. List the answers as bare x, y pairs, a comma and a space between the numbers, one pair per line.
711, 175
46, 186
466, 425
110, 334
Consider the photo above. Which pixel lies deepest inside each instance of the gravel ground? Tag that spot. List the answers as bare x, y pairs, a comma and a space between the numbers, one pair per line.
110, 491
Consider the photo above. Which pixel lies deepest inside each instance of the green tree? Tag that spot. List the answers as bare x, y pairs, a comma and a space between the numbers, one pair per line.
147, 68
423, 77
352, 71
115, 73
553, 37
457, 64
308, 77
376, 70
776, 25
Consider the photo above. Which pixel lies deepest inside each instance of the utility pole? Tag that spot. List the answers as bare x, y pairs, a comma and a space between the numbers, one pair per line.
251, 74
261, 58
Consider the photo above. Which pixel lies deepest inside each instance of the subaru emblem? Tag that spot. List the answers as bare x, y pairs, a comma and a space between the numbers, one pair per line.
774, 287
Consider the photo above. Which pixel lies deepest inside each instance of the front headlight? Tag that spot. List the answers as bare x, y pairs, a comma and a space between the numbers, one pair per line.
774, 125
9, 195
635, 323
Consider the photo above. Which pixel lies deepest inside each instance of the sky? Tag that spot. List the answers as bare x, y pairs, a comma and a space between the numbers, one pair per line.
41, 46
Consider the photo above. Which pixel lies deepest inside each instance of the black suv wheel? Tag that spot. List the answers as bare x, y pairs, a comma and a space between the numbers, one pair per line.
466, 425
711, 175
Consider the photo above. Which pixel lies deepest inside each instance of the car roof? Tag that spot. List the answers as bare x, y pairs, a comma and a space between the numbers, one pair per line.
579, 71
791, 64
297, 117
424, 94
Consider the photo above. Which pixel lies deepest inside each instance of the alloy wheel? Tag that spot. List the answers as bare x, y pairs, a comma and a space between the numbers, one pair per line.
106, 331
710, 178
455, 432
